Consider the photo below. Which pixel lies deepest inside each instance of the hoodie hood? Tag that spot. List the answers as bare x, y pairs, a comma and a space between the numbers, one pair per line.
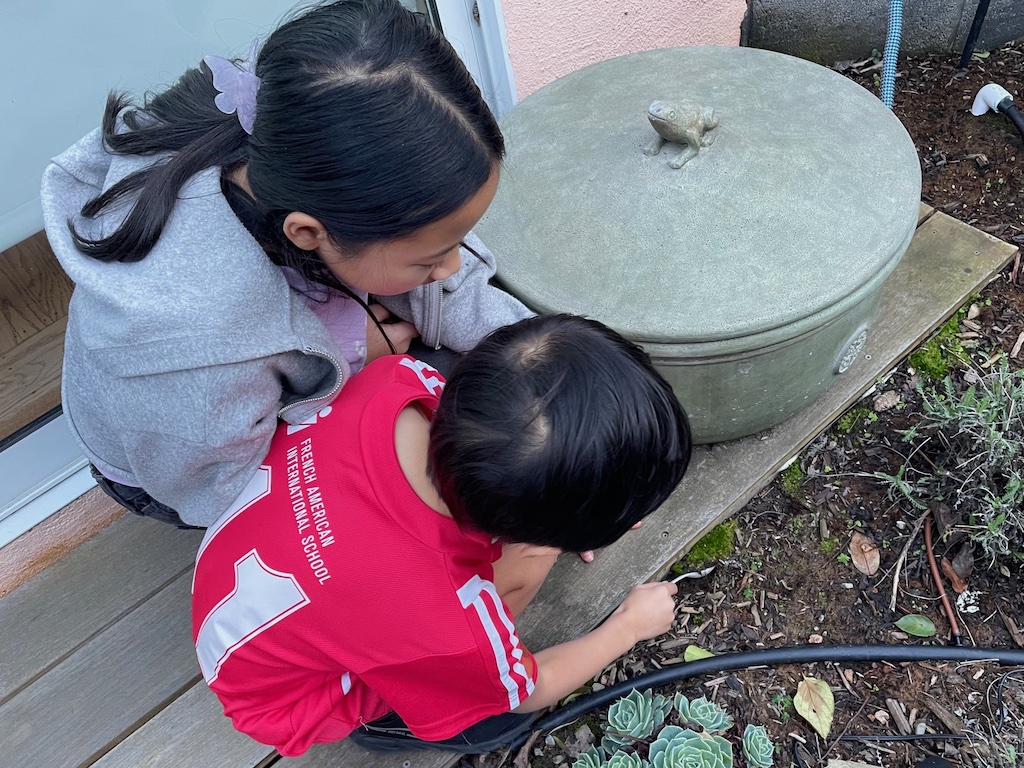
205, 277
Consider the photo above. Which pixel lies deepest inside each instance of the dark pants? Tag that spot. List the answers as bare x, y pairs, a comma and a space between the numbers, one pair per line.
138, 501
391, 734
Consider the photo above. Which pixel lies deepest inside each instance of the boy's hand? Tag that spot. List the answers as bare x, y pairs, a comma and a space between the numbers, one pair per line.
649, 609
399, 331
588, 556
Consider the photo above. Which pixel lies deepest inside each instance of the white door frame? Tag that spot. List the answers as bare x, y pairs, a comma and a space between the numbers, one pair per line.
476, 29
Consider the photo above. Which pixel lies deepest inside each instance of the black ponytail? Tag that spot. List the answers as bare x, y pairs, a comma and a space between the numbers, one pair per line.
366, 119
184, 123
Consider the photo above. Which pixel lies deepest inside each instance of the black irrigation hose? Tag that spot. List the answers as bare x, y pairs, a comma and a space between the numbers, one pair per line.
797, 654
972, 36
1013, 114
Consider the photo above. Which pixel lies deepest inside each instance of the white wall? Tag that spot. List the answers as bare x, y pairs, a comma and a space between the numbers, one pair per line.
58, 59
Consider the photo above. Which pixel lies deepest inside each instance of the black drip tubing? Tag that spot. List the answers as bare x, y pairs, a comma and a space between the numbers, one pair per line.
796, 654
1014, 115
972, 36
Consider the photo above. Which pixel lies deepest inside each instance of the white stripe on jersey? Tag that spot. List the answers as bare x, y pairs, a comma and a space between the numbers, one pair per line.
471, 594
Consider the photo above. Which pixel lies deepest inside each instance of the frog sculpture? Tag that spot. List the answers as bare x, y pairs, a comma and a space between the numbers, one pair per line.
680, 124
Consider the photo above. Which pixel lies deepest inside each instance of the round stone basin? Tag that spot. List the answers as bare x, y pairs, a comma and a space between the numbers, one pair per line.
750, 273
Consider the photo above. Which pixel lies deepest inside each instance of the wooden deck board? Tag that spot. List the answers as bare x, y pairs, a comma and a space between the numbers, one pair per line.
52, 615
193, 725
89, 701
946, 262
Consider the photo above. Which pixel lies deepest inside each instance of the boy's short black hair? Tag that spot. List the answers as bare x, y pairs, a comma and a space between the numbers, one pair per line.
557, 431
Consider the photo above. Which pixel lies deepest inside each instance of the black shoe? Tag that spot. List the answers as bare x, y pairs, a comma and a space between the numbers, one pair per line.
391, 734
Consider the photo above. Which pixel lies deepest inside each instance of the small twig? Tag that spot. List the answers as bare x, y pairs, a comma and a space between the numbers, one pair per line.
846, 727
522, 759
900, 560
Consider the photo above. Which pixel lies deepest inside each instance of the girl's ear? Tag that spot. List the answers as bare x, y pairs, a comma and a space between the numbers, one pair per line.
304, 231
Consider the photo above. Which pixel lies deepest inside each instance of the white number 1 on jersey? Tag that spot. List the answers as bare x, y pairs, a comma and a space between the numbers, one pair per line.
260, 599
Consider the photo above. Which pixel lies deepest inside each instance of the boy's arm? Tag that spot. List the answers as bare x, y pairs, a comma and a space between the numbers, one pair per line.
648, 611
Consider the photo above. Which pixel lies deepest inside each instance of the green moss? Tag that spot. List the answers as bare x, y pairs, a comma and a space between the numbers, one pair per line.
943, 351
715, 545
829, 546
792, 478
854, 418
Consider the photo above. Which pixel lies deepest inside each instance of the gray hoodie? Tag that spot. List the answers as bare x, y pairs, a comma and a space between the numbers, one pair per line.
177, 367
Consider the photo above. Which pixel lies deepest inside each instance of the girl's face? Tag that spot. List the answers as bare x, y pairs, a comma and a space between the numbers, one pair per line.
429, 254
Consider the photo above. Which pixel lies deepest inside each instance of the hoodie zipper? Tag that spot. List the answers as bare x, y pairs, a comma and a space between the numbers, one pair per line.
440, 308
334, 390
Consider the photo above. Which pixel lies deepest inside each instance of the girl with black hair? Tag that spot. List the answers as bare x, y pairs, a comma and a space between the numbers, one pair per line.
249, 238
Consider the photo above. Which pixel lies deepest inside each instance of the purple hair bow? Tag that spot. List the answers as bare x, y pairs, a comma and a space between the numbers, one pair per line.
237, 86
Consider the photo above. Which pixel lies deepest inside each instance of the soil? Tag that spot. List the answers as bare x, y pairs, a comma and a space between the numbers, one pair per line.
790, 578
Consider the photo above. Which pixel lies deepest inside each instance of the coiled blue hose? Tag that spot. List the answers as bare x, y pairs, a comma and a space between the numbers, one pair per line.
892, 51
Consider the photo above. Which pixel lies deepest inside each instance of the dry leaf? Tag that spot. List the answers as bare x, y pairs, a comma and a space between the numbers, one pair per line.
958, 584
945, 518
864, 553
695, 652
963, 562
580, 742
1012, 628
815, 703
886, 400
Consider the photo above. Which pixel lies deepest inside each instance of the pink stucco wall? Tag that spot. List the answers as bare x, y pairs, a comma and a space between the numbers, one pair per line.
550, 38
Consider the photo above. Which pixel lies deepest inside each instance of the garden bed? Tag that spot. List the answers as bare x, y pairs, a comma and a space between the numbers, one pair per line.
790, 576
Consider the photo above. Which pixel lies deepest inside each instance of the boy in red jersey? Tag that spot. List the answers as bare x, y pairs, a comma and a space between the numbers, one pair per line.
365, 584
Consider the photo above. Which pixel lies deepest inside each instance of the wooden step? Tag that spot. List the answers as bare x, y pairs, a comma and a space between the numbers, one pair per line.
175, 721
34, 296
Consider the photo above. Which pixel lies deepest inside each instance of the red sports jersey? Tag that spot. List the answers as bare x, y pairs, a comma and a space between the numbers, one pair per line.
330, 594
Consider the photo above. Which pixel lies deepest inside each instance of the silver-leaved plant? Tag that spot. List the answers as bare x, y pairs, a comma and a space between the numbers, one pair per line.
592, 758
758, 748
634, 717
704, 713
626, 760
678, 747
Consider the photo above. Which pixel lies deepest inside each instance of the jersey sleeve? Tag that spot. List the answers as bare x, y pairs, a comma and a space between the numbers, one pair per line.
439, 695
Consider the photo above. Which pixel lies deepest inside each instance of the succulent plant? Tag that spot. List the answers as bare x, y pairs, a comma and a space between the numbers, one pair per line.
704, 713
592, 758
626, 760
678, 747
758, 747
633, 717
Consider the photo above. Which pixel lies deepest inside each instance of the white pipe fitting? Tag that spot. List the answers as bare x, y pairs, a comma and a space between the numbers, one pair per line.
990, 97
